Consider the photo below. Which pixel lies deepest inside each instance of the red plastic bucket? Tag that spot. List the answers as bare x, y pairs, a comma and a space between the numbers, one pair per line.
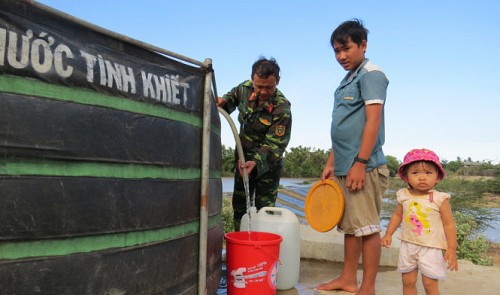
252, 260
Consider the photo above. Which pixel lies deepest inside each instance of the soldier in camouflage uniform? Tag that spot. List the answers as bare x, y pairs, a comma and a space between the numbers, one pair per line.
265, 127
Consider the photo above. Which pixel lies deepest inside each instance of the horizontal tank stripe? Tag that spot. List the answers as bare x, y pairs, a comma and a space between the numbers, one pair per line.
87, 169
25, 86
44, 248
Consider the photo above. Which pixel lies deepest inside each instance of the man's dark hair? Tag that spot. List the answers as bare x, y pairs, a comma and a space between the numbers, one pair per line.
352, 29
264, 68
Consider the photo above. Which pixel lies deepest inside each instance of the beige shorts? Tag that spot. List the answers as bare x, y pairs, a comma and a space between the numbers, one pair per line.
362, 208
429, 261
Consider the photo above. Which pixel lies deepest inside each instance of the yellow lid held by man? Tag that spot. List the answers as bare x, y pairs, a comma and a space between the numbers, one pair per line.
324, 205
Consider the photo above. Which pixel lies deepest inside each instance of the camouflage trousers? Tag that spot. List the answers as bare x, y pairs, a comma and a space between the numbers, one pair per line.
265, 189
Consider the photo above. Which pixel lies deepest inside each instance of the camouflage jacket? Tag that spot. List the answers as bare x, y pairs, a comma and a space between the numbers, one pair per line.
264, 130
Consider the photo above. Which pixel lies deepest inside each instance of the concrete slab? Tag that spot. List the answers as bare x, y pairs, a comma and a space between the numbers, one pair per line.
329, 246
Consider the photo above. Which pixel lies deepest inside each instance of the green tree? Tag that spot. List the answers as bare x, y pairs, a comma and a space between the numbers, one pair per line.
454, 165
227, 161
304, 162
393, 165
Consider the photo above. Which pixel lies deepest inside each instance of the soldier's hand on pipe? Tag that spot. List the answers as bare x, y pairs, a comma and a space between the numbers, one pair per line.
248, 165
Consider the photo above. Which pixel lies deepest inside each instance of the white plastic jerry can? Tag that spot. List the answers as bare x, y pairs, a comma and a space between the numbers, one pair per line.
285, 223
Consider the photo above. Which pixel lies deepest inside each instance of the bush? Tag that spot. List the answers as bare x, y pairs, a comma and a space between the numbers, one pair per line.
470, 247
227, 215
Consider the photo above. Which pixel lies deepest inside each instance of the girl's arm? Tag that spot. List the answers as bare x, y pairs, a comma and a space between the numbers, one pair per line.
396, 218
450, 232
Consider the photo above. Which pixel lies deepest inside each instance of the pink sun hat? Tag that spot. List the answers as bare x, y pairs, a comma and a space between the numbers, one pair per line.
416, 155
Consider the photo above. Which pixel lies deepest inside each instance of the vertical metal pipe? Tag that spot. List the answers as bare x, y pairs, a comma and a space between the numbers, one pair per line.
205, 167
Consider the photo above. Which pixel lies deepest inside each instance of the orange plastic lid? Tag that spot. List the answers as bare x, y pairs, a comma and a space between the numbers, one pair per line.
324, 205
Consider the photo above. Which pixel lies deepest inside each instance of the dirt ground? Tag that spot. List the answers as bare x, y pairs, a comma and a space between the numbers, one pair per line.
490, 201
494, 253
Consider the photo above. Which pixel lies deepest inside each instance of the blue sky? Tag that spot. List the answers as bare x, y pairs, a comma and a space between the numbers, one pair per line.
441, 58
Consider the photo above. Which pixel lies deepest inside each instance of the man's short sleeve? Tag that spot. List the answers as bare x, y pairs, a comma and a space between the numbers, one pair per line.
373, 87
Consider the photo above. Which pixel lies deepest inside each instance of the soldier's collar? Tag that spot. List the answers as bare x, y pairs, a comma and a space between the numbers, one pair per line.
268, 105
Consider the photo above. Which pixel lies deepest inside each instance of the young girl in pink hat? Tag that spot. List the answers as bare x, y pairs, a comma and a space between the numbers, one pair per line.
427, 226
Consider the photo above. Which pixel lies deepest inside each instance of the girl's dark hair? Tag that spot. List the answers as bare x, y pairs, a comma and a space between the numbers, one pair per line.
351, 29
264, 68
